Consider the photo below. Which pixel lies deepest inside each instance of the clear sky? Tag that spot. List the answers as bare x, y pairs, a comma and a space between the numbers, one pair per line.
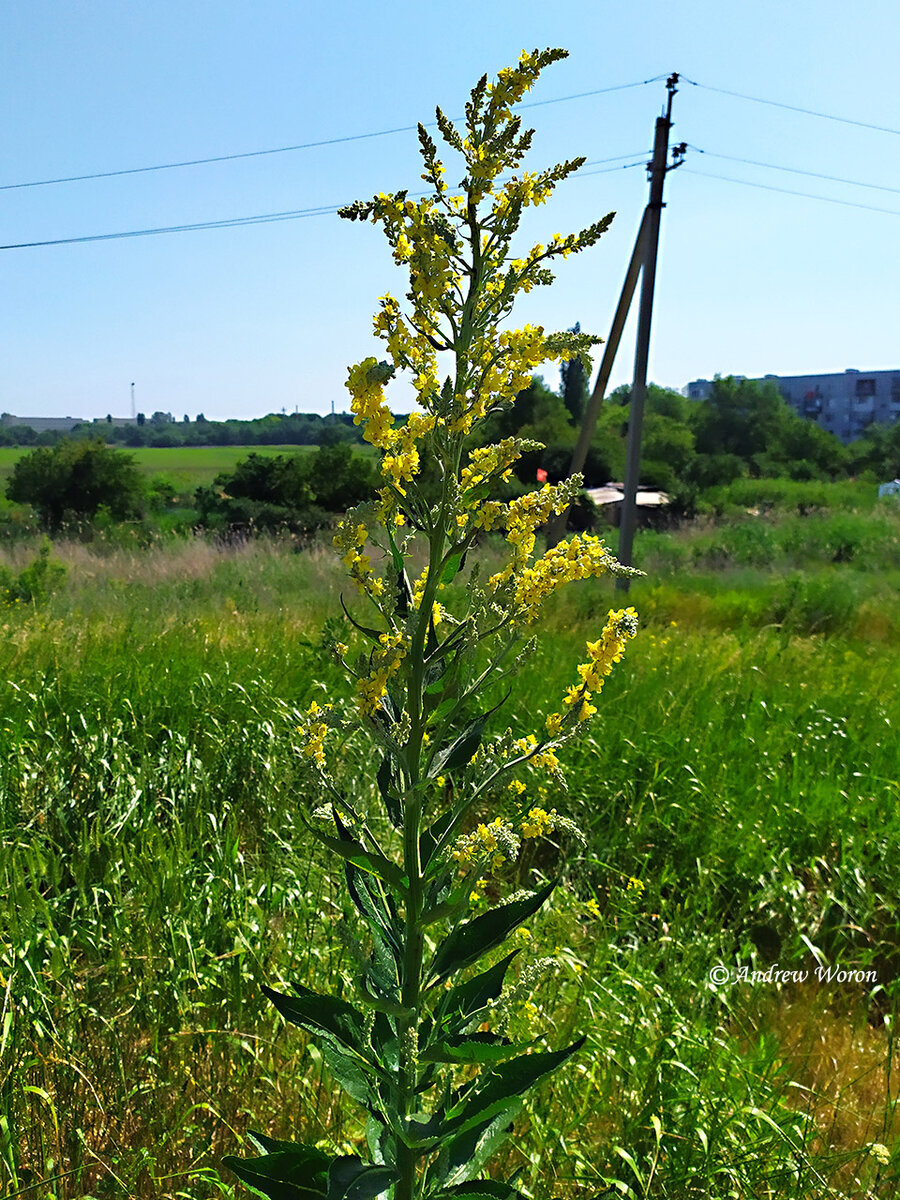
248, 320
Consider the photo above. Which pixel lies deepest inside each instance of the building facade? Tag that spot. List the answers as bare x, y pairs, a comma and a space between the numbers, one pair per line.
844, 403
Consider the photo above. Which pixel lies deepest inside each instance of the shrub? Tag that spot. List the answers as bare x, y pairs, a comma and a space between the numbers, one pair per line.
74, 479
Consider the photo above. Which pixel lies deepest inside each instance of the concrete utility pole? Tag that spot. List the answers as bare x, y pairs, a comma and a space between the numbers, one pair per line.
653, 214
556, 531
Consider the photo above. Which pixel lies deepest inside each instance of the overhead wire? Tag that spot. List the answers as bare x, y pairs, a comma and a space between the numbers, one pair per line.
880, 187
259, 218
810, 112
768, 187
353, 137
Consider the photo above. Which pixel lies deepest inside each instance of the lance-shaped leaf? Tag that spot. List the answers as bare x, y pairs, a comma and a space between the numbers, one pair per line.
376, 908
466, 1154
297, 1172
372, 634
353, 851
351, 1073
389, 790
453, 566
472, 1048
502, 1083
349, 1178
430, 837
469, 941
467, 998
460, 752
479, 1189
329, 1017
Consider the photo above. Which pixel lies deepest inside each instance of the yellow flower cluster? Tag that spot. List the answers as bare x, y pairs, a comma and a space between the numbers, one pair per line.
386, 661
368, 404
413, 230
407, 349
401, 464
609, 648
314, 730
621, 625
538, 823
510, 358
584, 557
487, 461
542, 758
401, 459
522, 517
437, 610
351, 538
497, 840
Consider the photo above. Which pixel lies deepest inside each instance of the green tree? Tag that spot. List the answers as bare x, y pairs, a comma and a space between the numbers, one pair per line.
741, 417
74, 479
575, 385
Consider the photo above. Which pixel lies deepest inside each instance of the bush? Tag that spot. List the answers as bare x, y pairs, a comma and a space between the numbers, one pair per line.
298, 492
74, 479
35, 582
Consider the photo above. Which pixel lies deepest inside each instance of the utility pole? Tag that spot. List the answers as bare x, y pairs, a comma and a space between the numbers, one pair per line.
658, 169
132, 401
556, 531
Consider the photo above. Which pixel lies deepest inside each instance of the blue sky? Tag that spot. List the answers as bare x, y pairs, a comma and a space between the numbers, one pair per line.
243, 321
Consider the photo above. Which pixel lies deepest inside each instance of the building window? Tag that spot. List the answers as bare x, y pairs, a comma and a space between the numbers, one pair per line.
865, 388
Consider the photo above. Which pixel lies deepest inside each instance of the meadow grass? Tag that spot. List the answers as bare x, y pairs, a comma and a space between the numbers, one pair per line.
186, 467
738, 795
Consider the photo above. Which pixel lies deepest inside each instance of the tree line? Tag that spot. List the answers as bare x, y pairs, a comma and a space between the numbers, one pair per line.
744, 428
161, 430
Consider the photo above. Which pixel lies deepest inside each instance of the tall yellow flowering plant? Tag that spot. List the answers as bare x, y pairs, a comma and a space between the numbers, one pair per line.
424, 1046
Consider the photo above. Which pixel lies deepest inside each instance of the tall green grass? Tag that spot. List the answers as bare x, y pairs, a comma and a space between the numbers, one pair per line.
154, 870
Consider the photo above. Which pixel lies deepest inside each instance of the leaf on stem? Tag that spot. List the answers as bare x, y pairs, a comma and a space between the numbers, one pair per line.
293, 1172
469, 941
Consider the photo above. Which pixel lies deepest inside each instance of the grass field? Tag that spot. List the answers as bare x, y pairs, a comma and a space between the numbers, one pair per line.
187, 467
738, 791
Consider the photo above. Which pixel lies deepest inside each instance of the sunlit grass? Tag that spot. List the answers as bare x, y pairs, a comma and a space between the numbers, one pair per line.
154, 871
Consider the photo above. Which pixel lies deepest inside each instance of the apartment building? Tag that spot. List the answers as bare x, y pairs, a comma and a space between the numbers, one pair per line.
843, 403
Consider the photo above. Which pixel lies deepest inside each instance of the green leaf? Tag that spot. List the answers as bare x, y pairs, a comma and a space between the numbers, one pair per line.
350, 1073
349, 1178
299, 1173
430, 837
467, 1153
469, 941
453, 566
380, 915
325, 1015
471, 1048
270, 1145
467, 998
372, 634
479, 1189
387, 786
460, 752
354, 852
504, 1082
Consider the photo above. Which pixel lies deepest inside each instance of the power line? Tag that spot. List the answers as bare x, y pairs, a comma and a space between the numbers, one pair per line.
768, 187
752, 162
354, 137
810, 112
259, 218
